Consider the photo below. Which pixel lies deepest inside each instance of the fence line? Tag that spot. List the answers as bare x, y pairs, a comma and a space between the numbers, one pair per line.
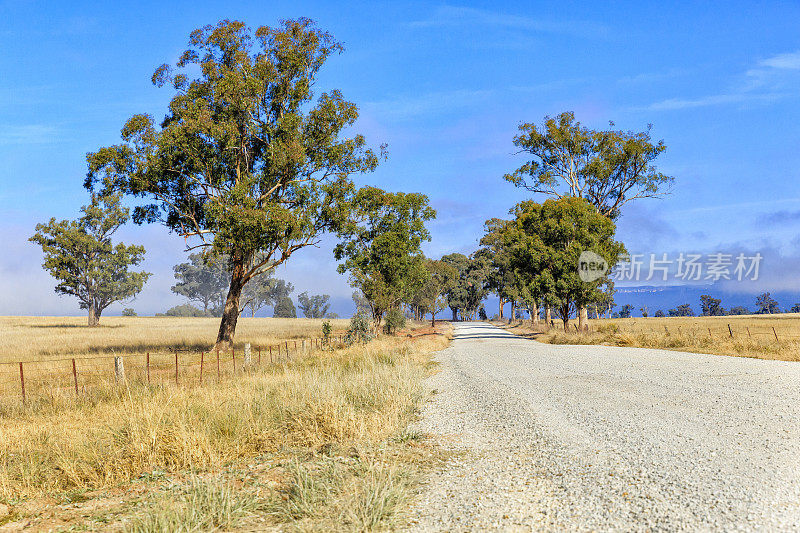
178, 366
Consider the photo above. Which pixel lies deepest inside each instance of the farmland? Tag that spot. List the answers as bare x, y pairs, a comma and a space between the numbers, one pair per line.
315, 440
760, 336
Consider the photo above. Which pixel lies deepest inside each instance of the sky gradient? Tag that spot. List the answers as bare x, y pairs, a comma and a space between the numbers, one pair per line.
445, 85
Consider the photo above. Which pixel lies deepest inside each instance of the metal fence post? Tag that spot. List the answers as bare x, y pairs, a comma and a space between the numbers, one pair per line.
22, 381
176, 367
148, 368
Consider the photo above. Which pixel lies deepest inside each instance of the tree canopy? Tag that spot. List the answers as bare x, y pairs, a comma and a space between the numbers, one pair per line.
80, 255
314, 305
247, 162
203, 279
380, 247
608, 168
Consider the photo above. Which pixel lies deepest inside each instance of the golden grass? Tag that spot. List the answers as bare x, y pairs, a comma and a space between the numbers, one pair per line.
36, 338
343, 410
760, 336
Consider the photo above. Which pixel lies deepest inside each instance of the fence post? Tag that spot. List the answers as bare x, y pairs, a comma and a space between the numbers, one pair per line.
148, 368
233, 354
748, 333
774, 333
176, 367
287, 350
202, 357
710, 336
119, 369
247, 356
666, 330
259, 356
218, 375
22, 381
730, 330
75, 375
270, 353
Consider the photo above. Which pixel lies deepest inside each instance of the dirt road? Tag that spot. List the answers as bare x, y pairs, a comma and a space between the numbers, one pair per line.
601, 438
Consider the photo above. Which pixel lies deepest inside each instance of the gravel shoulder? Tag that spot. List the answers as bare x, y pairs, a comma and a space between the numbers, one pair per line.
549, 437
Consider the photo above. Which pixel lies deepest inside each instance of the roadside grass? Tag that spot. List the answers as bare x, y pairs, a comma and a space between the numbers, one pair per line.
764, 337
315, 443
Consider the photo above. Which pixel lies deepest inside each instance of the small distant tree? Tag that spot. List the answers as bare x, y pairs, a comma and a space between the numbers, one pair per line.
395, 320
626, 311
659, 314
682, 310
766, 304
739, 310
285, 308
315, 305
260, 291
795, 308
186, 310
80, 255
711, 306
441, 277
643, 311
128, 311
204, 279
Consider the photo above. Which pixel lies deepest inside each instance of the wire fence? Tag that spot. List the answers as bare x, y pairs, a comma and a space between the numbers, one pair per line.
725, 331
26, 380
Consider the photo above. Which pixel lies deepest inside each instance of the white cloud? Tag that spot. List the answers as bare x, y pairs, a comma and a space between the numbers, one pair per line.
790, 61
468, 16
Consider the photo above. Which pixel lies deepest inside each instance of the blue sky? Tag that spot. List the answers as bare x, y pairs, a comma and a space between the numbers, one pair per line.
445, 85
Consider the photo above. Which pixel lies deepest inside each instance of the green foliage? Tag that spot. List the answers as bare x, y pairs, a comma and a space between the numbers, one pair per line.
185, 310
739, 310
128, 311
314, 306
395, 320
326, 330
80, 255
247, 162
380, 247
546, 241
284, 308
607, 168
711, 306
659, 314
359, 330
682, 310
203, 279
795, 308
626, 311
263, 290
645, 312
469, 288
431, 297
766, 304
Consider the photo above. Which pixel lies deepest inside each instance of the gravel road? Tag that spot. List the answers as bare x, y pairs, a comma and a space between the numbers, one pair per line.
547, 437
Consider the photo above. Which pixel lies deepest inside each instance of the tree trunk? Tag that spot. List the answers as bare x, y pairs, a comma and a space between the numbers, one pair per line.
583, 318
513, 310
535, 315
230, 313
455, 313
548, 316
502, 303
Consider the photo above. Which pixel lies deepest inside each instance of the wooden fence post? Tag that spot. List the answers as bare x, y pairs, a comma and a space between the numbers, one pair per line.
176, 367
270, 353
147, 364
119, 369
22, 381
259, 356
247, 356
710, 336
730, 330
202, 357
75, 375
775, 333
287, 350
218, 373
748, 333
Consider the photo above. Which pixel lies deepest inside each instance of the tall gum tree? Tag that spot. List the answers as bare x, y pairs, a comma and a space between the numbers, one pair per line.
246, 163
607, 168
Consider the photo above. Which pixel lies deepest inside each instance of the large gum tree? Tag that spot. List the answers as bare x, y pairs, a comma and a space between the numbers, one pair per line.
247, 163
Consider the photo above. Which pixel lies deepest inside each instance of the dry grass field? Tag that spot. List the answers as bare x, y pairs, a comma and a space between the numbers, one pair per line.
760, 336
35, 338
317, 442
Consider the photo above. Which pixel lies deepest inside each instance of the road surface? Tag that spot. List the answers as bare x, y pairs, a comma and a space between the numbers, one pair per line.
547, 437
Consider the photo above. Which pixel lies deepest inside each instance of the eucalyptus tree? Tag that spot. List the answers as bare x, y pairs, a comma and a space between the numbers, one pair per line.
608, 168
548, 240
204, 280
80, 255
314, 305
247, 162
380, 247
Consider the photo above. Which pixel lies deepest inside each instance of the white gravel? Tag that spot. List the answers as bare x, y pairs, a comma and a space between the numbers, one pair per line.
600, 438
